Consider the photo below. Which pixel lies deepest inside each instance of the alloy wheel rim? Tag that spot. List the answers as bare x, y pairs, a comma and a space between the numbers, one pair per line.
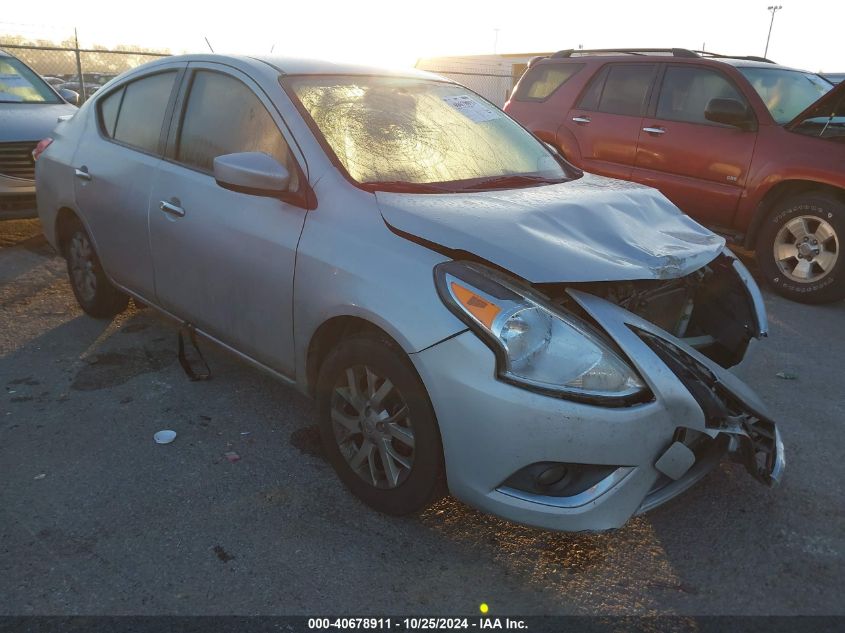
806, 249
372, 427
82, 266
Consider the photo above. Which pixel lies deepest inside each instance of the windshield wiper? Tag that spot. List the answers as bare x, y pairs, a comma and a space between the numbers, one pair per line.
403, 186
511, 181
494, 182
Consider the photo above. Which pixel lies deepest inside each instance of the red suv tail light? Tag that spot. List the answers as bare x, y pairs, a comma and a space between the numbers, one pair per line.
42, 145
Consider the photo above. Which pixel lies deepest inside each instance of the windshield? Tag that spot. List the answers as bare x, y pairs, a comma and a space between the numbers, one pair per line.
18, 84
786, 93
399, 130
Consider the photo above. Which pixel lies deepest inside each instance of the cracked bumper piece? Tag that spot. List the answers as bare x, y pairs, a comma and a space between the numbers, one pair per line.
563, 465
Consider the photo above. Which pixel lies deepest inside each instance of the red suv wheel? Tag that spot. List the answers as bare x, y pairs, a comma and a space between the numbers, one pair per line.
799, 248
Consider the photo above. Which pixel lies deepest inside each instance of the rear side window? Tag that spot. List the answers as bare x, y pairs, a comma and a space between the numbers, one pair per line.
592, 95
686, 91
109, 107
134, 114
224, 116
540, 82
620, 89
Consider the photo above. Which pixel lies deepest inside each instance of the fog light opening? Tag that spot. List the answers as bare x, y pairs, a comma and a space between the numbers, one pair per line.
551, 476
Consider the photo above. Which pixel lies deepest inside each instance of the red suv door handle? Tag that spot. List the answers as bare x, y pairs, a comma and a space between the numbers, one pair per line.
581, 119
654, 130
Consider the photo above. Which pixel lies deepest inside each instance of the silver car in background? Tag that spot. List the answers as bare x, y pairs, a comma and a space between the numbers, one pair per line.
29, 110
469, 311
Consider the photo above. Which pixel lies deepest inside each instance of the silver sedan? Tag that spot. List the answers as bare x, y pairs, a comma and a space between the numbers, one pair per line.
471, 313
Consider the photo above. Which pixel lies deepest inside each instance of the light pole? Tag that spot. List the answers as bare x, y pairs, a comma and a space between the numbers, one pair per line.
774, 9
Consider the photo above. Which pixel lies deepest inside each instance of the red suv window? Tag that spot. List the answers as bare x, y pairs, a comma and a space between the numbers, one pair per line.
687, 90
540, 82
620, 89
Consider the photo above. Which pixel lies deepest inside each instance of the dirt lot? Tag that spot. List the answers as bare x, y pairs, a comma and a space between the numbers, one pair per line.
97, 519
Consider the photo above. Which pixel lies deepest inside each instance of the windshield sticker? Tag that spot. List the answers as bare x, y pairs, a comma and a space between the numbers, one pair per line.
472, 109
14, 81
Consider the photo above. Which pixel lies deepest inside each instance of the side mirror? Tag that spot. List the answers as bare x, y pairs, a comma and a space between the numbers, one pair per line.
70, 96
729, 112
254, 173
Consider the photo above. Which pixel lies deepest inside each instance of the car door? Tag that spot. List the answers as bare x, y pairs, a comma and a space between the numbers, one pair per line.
114, 167
607, 118
224, 260
699, 165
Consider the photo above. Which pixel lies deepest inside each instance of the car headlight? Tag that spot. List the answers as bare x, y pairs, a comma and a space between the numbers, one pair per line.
537, 345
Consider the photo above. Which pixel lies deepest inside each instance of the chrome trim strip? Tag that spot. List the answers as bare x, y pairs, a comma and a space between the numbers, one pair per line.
575, 501
780, 459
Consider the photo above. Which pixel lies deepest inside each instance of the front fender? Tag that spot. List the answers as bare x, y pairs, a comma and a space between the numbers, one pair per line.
349, 263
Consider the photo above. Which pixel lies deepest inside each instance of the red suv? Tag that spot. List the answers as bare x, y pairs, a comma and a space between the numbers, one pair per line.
754, 150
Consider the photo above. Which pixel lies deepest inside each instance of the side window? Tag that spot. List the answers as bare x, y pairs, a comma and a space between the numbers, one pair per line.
623, 91
223, 116
109, 107
541, 81
686, 91
591, 96
135, 114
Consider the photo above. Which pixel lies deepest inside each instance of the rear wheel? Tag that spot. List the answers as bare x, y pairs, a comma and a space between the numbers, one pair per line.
799, 248
377, 426
93, 291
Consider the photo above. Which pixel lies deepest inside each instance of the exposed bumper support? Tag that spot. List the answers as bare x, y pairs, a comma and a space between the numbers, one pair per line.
757, 442
761, 450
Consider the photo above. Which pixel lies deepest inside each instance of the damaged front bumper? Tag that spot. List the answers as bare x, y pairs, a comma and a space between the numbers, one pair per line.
755, 438
498, 438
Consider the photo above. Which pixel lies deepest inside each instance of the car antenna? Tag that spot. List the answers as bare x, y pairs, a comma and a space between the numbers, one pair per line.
209, 43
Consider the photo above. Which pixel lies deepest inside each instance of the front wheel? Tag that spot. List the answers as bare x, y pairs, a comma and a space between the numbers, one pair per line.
92, 289
377, 426
799, 248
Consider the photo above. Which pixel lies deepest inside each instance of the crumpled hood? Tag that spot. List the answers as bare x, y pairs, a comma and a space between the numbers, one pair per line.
30, 121
590, 229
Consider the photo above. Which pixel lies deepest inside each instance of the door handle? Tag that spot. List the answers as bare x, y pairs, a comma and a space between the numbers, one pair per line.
581, 119
172, 209
654, 130
82, 173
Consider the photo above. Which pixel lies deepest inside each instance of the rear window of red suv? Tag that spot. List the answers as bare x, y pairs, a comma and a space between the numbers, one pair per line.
540, 82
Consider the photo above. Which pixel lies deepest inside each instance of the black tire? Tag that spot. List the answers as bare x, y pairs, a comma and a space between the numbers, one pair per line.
92, 289
823, 285
425, 481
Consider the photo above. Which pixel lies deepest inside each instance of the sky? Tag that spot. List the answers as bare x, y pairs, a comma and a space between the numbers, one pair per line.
806, 34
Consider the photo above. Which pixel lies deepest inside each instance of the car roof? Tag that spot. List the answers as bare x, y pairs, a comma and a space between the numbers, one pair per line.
669, 54
750, 63
303, 66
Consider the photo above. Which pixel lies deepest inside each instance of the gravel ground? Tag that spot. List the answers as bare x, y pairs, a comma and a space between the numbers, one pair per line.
97, 519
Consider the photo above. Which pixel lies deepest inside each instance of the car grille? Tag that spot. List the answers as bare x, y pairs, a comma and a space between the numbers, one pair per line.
16, 160
17, 203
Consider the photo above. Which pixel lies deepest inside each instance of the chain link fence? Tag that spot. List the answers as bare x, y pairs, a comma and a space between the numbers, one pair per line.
493, 81
82, 70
